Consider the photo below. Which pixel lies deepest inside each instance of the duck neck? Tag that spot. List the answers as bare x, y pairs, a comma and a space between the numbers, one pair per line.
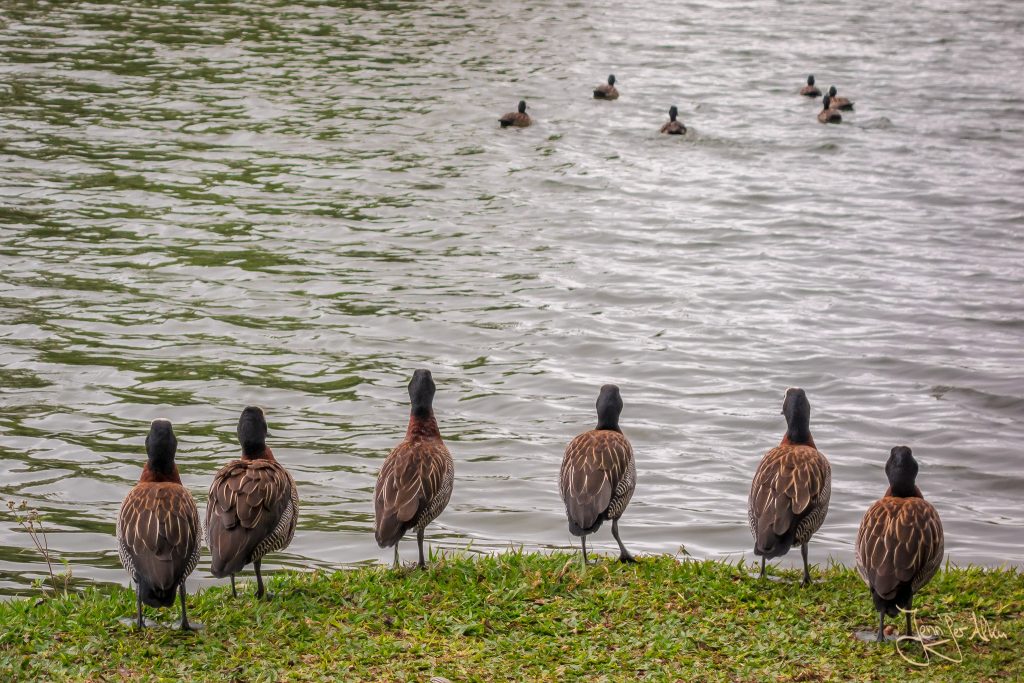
899, 491
798, 438
422, 426
265, 454
154, 473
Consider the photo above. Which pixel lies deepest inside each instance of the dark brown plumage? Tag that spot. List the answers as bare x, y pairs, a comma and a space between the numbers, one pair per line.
598, 474
158, 532
416, 480
792, 485
827, 113
672, 126
900, 542
517, 119
253, 506
607, 91
810, 90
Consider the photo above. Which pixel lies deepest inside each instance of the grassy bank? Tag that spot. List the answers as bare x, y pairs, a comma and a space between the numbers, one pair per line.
521, 617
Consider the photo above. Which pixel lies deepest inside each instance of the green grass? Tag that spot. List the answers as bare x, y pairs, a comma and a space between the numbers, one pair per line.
519, 616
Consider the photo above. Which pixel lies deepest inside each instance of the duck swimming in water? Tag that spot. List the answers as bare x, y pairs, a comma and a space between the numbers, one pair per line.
810, 90
519, 119
827, 113
607, 91
672, 126
838, 102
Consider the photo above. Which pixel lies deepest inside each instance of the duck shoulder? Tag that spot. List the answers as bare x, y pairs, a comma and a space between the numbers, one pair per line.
252, 510
899, 543
158, 535
810, 91
841, 103
597, 478
789, 495
606, 92
413, 487
673, 128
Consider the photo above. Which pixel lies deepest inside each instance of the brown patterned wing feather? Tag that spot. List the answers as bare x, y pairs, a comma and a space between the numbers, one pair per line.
248, 499
594, 465
159, 536
899, 546
409, 485
791, 484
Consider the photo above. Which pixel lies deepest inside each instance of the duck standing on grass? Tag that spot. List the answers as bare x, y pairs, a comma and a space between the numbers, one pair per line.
253, 506
598, 474
672, 126
827, 113
900, 542
838, 102
158, 532
519, 119
791, 488
607, 91
810, 90
416, 480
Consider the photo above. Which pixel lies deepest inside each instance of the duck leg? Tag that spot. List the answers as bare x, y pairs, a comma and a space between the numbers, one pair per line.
624, 555
762, 566
583, 539
184, 617
396, 557
807, 571
419, 543
234, 593
260, 592
138, 604
881, 626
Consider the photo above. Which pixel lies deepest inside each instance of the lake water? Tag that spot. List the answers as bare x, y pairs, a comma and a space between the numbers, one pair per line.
207, 205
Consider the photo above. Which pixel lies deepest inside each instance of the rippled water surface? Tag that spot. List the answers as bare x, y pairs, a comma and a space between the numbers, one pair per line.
205, 205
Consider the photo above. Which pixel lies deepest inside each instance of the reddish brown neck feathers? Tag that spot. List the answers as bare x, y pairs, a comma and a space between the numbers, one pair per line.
151, 477
787, 442
916, 494
266, 454
422, 428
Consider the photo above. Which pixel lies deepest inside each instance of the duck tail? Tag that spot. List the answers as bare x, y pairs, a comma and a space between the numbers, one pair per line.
771, 545
156, 597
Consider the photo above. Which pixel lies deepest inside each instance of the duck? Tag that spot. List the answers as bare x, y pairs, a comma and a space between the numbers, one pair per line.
598, 474
416, 480
158, 532
827, 113
810, 90
607, 91
672, 126
253, 506
838, 102
900, 541
519, 119
791, 488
